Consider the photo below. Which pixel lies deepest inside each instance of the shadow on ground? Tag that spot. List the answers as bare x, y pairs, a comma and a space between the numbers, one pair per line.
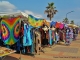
61, 44
10, 58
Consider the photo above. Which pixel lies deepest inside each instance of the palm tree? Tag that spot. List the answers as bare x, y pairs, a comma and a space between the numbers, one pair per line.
66, 21
72, 22
50, 10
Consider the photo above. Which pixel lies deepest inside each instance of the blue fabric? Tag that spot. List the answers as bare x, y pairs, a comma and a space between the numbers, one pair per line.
27, 41
52, 23
18, 46
35, 18
50, 34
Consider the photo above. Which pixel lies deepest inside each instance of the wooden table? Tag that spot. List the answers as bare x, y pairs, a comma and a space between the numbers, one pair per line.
5, 52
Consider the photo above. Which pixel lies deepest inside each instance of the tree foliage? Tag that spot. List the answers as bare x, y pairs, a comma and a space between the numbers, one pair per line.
66, 21
72, 22
50, 10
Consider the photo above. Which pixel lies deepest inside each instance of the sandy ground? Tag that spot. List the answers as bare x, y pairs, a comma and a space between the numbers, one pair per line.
56, 52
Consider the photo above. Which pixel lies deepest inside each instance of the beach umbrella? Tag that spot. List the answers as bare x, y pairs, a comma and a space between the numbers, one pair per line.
10, 30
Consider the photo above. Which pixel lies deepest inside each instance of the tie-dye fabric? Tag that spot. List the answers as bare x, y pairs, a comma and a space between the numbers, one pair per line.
0, 29
10, 30
35, 22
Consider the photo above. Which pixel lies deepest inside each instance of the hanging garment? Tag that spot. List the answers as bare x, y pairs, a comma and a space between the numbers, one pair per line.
52, 23
57, 24
53, 36
27, 41
61, 26
61, 35
50, 37
35, 22
33, 40
44, 37
57, 38
10, 30
0, 28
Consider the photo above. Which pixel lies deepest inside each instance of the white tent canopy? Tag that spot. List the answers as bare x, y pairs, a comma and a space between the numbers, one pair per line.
14, 14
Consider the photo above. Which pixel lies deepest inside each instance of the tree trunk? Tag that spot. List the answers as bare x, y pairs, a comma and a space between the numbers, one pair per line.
50, 17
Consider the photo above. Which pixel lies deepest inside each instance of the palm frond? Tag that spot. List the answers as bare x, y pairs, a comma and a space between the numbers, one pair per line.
52, 4
47, 7
46, 11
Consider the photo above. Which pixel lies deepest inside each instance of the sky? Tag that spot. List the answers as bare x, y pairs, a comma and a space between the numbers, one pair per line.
37, 8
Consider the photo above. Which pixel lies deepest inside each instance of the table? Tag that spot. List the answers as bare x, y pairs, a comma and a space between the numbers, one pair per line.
5, 51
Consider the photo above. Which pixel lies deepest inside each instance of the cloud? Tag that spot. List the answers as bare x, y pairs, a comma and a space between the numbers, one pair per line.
6, 6
34, 14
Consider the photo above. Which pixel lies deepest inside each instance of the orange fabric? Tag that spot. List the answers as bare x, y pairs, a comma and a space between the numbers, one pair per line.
46, 22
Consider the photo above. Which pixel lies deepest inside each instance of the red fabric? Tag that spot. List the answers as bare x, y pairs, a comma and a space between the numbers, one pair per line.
58, 24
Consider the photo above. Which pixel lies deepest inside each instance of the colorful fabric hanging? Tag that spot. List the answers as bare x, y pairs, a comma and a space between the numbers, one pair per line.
52, 23
10, 30
53, 36
46, 23
58, 24
0, 28
35, 22
27, 41
50, 37
61, 26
